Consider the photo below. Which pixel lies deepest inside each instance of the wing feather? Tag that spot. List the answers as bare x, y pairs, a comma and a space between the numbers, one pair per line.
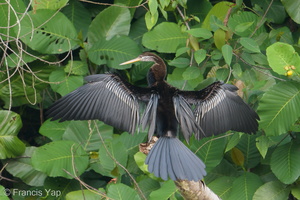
218, 109
105, 97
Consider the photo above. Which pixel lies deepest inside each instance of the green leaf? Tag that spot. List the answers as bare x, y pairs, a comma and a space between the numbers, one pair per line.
292, 9
49, 4
200, 33
53, 32
64, 84
240, 28
86, 133
22, 168
55, 158
77, 67
180, 62
140, 158
8, 17
285, 162
275, 13
151, 19
274, 190
165, 37
232, 141
245, 23
281, 55
165, 192
191, 73
79, 16
210, 150
227, 53
10, 145
113, 52
219, 10
222, 186
277, 108
219, 38
112, 21
250, 44
120, 191
251, 153
148, 185
53, 129
83, 195
110, 153
262, 144
245, 186
222, 74
200, 55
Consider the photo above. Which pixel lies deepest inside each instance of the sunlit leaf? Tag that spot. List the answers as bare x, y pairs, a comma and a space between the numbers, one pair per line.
292, 9
165, 37
282, 57
222, 186
250, 44
165, 192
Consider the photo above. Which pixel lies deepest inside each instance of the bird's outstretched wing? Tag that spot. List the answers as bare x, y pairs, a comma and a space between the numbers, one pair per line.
218, 109
105, 97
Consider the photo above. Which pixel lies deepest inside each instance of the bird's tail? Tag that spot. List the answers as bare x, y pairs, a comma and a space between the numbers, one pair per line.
169, 157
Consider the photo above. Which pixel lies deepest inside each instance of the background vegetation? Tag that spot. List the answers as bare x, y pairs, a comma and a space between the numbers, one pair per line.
48, 46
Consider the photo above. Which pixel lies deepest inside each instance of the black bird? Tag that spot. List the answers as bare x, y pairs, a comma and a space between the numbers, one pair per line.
111, 99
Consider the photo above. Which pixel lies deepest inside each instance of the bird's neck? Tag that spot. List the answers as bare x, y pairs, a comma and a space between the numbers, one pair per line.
157, 73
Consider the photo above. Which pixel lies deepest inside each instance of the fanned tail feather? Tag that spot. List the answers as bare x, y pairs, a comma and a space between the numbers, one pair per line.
170, 158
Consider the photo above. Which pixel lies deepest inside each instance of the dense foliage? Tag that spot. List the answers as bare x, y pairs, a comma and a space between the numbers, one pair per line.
48, 46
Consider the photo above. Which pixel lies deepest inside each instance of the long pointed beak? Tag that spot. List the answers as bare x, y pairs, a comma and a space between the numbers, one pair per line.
131, 61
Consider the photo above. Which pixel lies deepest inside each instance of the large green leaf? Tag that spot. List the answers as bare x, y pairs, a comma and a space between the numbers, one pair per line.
63, 83
47, 32
57, 157
274, 190
111, 22
244, 187
148, 185
22, 168
210, 150
86, 133
227, 53
121, 191
10, 144
48, 4
282, 56
165, 37
285, 162
249, 150
79, 16
278, 108
292, 8
113, 52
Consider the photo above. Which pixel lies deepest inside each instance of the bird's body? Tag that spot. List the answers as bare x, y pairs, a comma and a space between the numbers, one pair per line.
109, 98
